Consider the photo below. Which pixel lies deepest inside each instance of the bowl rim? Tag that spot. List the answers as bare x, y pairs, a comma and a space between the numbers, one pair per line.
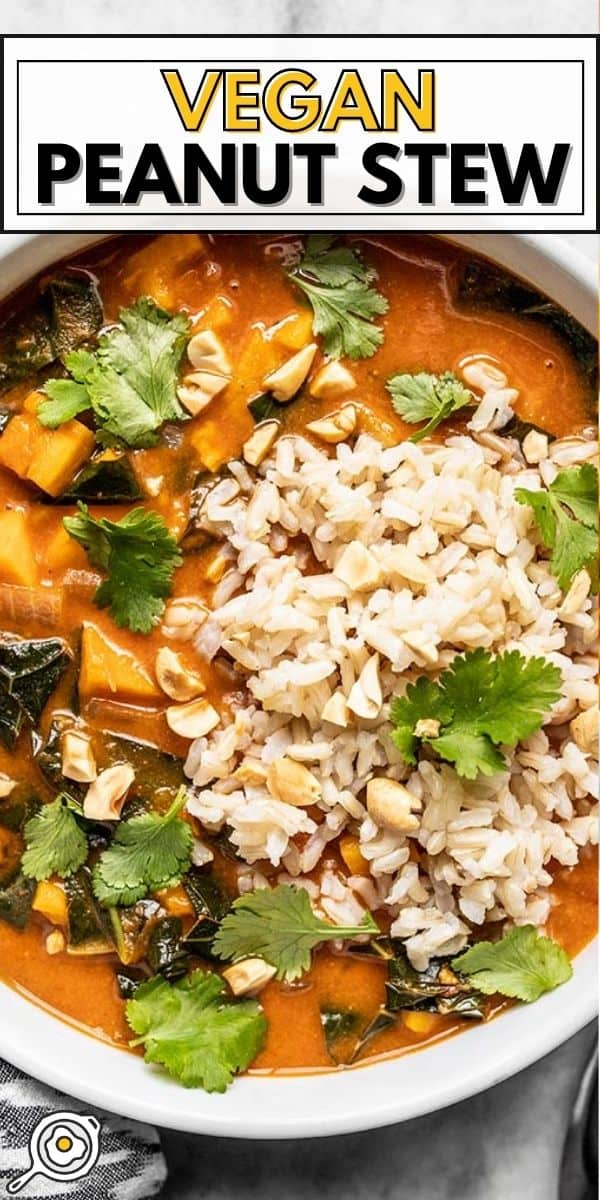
300, 1105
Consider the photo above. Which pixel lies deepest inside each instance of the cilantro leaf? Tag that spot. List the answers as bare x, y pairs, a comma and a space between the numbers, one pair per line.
130, 381
190, 1027
147, 853
577, 487
139, 555
339, 288
505, 697
523, 964
54, 842
66, 399
425, 397
480, 702
424, 699
567, 518
471, 753
280, 926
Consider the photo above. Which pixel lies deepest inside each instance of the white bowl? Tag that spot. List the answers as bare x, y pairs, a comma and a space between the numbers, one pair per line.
362, 1097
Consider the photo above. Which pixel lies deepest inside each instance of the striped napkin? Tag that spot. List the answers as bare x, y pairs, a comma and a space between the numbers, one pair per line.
79, 1151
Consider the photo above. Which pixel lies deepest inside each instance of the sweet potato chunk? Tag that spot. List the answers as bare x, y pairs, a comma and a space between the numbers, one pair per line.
17, 560
47, 457
107, 670
60, 456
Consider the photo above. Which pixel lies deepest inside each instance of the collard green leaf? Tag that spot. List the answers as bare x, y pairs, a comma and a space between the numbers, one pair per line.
48, 758
67, 312
211, 904
517, 428
206, 894
381, 1021
87, 928
16, 900
30, 670
17, 808
338, 1023
131, 928
167, 954
437, 989
104, 481
128, 981
484, 286
11, 850
265, 408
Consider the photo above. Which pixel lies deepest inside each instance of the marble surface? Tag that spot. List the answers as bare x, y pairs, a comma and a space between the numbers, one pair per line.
312, 16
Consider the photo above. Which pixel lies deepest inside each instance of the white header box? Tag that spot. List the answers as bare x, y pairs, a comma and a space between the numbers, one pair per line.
300, 133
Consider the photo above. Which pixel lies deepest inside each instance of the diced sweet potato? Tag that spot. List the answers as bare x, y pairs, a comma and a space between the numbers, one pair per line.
218, 314
219, 435
154, 269
106, 670
17, 560
17, 442
294, 331
176, 901
51, 902
47, 457
60, 456
62, 551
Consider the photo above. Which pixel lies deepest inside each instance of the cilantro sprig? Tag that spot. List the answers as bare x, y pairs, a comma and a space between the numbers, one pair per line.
193, 1030
130, 381
339, 287
426, 397
522, 965
567, 518
148, 852
479, 703
54, 842
139, 555
280, 926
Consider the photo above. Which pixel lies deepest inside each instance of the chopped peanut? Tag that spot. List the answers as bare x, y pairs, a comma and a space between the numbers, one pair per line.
390, 804
292, 783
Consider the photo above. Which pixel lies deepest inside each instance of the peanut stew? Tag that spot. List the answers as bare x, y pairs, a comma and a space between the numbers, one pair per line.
297, 579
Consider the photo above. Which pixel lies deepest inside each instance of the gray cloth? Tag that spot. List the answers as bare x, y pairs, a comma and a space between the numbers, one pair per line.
130, 1163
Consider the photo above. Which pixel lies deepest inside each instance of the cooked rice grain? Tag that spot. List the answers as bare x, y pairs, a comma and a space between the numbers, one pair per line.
352, 574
